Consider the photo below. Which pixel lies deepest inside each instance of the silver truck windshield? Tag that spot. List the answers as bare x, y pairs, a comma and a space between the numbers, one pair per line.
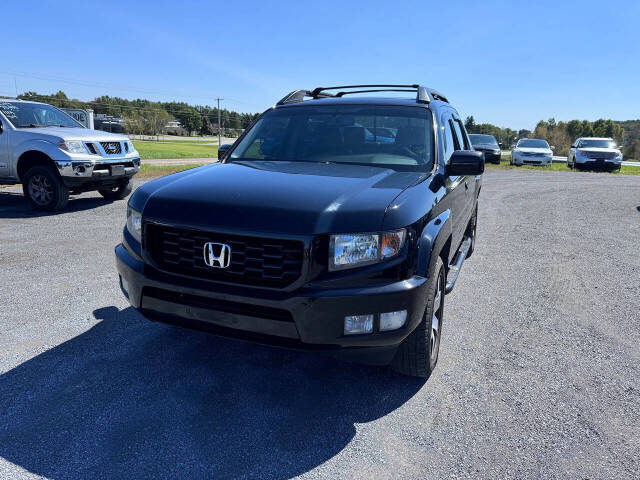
30, 115
392, 136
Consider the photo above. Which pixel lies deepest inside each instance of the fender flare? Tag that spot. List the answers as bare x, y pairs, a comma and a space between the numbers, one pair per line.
39, 145
434, 237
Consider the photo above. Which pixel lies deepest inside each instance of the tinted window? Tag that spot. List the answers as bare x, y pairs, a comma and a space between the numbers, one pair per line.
462, 138
532, 143
450, 143
391, 136
479, 139
588, 143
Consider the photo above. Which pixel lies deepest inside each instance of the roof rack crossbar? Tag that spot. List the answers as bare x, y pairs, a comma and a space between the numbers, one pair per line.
423, 95
340, 94
299, 95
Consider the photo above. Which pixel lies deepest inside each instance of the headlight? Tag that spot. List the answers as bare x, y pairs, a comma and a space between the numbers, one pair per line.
72, 146
359, 249
134, 223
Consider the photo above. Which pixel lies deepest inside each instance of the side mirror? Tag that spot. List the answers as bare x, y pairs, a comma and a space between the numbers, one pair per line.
552, 147
500, 144
222, 150
465, 162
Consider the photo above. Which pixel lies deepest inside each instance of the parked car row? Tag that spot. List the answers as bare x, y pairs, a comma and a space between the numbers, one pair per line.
586, 152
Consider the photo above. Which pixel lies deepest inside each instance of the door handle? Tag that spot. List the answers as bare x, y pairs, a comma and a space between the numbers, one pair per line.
466, 185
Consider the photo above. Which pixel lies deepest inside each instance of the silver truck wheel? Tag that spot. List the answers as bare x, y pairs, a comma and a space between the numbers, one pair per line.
44, 189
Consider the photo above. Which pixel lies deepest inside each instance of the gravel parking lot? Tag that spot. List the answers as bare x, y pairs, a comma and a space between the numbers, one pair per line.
539, 372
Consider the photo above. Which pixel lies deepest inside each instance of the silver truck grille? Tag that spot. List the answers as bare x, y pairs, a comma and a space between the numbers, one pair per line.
111, 148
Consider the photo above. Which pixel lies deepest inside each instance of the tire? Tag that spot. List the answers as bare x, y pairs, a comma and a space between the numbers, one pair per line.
471, 231
417, 355
44, 189
117, 193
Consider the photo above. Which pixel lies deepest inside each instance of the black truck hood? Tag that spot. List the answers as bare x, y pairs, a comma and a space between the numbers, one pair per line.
279, 197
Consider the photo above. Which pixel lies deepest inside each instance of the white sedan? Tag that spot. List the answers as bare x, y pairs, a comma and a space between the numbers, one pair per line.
532, 151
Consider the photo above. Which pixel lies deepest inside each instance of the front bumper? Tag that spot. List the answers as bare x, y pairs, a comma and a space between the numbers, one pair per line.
531, 160
492, 157
307, 319
91, 168
606, 164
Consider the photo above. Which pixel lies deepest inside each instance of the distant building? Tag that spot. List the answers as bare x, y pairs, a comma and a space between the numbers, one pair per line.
108, 123
173, 127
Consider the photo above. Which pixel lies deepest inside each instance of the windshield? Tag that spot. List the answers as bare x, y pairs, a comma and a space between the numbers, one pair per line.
26, 115
598, 144
362, 134
477, 139
532, 143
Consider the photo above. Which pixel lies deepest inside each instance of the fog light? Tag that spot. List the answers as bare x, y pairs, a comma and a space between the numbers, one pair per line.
392, 320
355, 324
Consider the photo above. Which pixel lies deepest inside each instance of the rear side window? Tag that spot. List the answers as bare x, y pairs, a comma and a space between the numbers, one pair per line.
449, 141
462, 138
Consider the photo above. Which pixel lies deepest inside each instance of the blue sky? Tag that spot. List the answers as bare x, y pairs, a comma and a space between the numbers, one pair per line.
504, 63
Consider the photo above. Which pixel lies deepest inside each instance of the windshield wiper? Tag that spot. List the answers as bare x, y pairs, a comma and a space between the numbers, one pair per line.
31, 125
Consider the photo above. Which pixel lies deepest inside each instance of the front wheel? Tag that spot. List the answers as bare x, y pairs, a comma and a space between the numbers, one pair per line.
116, 193
44, 189
417, 355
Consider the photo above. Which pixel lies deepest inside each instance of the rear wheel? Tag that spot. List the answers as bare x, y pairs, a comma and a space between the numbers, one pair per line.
44, 189
417, 355
116, 193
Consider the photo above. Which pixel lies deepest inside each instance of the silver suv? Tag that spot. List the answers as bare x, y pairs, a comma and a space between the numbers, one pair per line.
591, 152
53, 156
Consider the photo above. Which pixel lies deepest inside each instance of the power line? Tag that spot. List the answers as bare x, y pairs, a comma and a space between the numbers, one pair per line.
110, 85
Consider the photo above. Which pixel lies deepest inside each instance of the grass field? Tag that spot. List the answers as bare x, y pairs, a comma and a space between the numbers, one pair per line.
153, 171
195, 149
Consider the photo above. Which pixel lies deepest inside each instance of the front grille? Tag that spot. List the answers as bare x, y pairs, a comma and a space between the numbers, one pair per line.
533, 154
111, 148
601, 155
246, 309
255, 261
92, 148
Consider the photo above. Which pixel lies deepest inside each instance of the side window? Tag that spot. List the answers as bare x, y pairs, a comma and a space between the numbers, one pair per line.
462, 139
579, 144
463, 132
449, 142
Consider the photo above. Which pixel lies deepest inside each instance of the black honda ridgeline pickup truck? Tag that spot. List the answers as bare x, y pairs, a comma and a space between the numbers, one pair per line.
333, 224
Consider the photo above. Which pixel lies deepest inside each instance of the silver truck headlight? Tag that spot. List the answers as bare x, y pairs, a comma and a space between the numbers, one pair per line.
134, 223
359, 249
72, 146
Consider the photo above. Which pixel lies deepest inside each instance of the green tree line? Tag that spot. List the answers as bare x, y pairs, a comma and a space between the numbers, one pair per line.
145, 116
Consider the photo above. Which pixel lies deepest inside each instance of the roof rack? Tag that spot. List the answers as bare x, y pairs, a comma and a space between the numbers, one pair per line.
423, 94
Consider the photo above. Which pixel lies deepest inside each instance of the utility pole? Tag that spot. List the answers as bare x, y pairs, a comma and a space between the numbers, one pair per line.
219, 136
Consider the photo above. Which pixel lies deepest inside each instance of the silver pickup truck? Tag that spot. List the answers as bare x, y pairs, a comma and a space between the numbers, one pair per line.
52, 155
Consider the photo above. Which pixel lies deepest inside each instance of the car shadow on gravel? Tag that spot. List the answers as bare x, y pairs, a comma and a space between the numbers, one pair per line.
134, 399
14, 205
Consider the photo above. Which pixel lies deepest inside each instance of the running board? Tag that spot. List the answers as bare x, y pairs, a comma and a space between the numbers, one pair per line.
454, 268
